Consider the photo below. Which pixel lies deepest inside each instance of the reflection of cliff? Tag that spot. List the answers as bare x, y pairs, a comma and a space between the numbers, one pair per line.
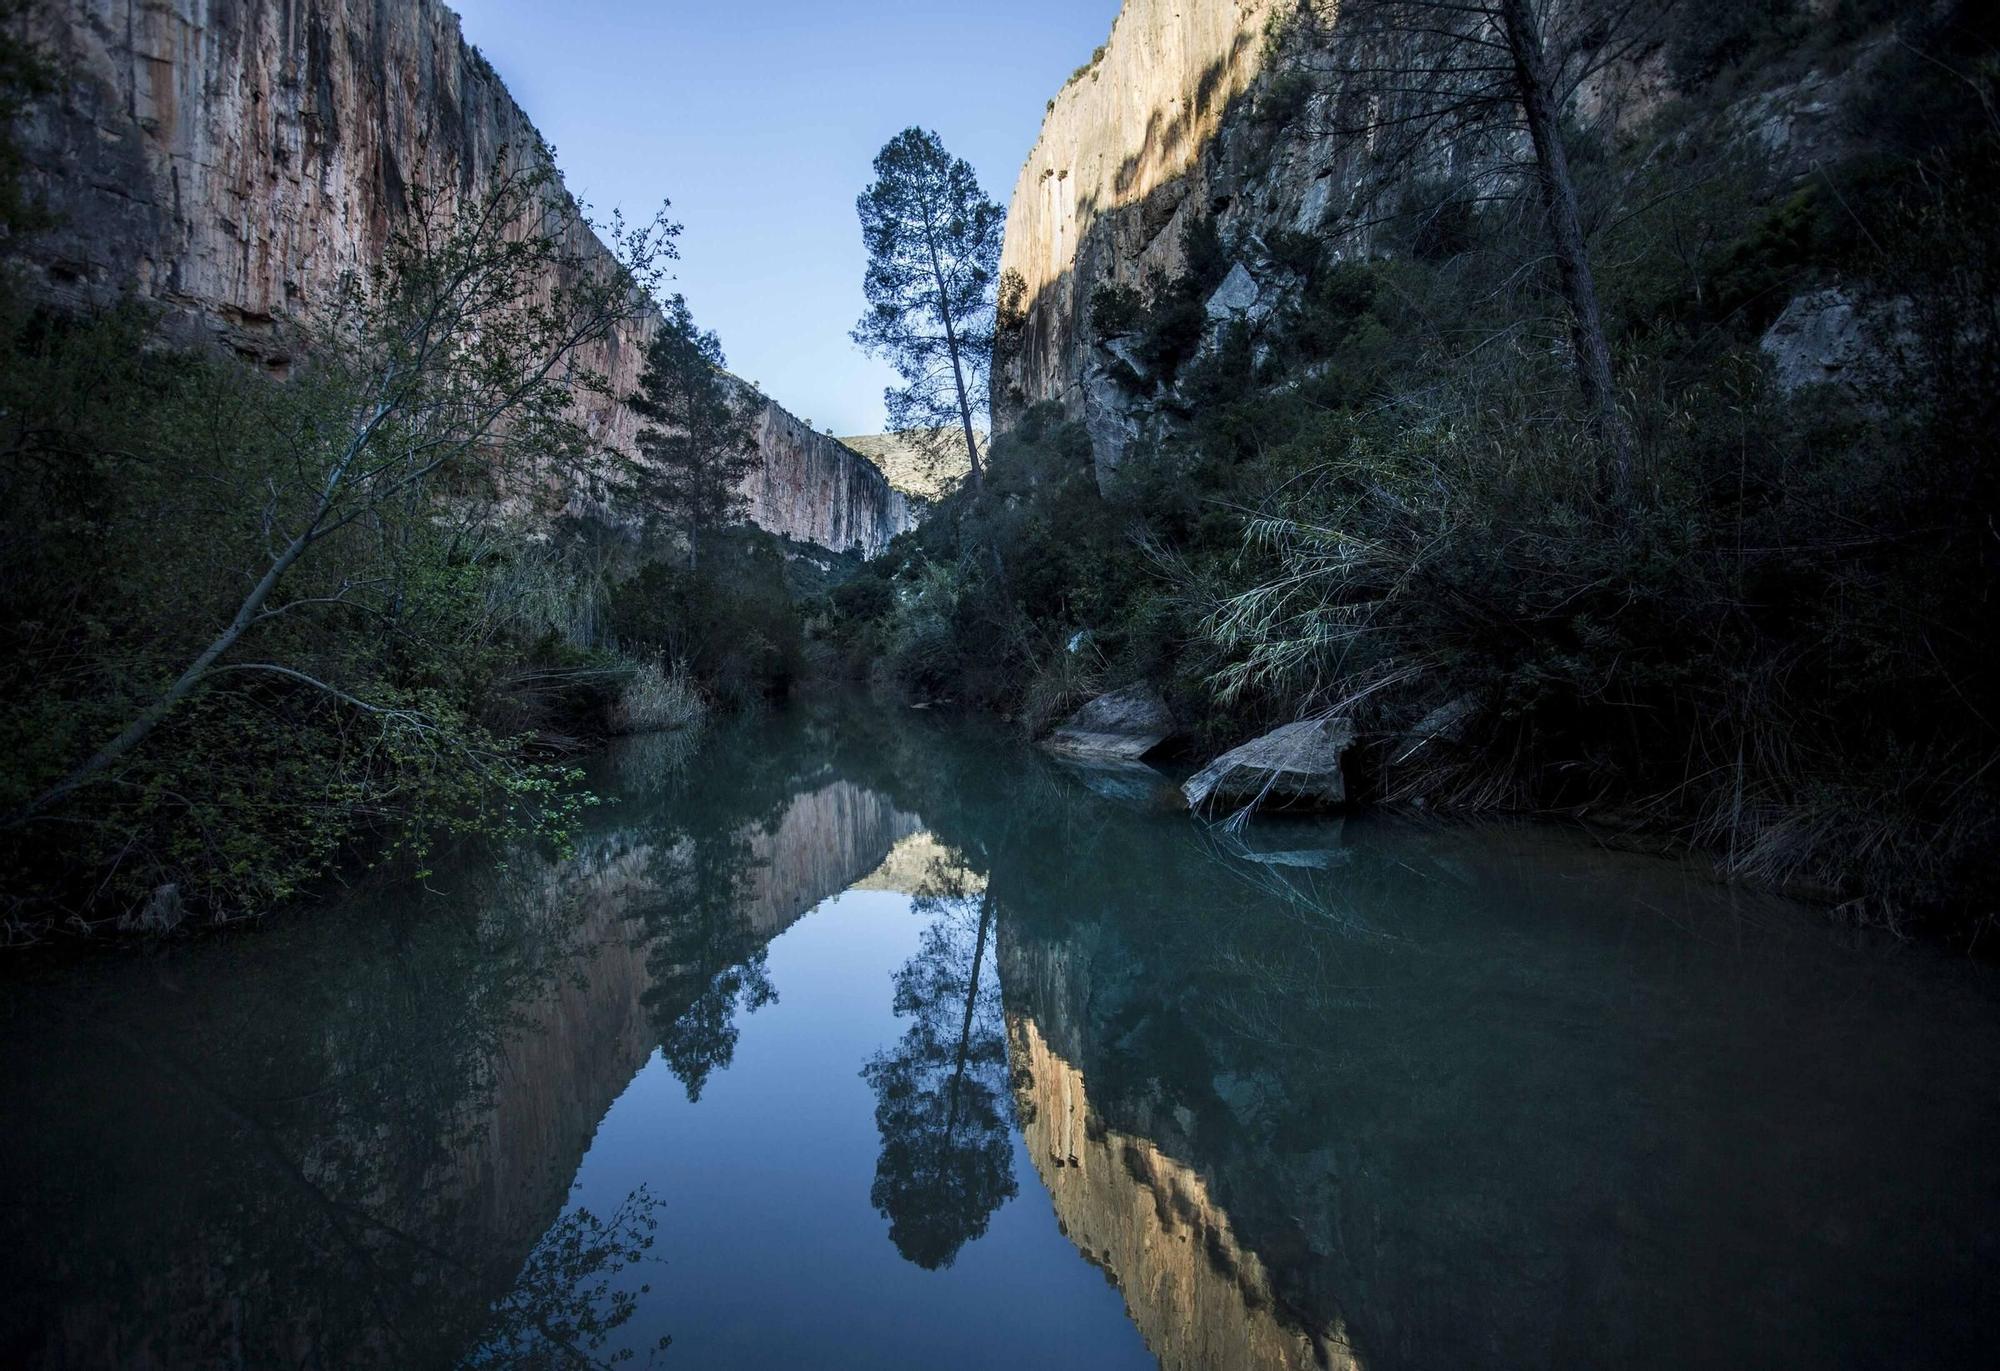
1201, 1299
346, 1136
827, 840
915, 862
229, 162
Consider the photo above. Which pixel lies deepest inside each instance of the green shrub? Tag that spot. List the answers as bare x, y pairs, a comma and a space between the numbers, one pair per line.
1115, 310
732, 622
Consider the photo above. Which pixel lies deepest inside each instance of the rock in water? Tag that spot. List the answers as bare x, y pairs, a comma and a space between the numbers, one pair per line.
1297, 766
1125, 726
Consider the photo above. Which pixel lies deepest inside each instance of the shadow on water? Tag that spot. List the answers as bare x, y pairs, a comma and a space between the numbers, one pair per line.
1371, 1094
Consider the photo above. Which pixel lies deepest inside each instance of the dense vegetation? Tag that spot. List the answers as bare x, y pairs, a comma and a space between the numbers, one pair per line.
250, 629
1392, 504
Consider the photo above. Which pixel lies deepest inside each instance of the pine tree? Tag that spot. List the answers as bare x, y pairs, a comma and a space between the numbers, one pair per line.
699, 441
933, 243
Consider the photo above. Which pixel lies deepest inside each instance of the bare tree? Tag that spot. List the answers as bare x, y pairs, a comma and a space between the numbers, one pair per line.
1481, 87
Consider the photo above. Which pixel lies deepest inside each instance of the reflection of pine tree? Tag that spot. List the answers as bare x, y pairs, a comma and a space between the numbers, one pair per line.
705, 962
946, 1161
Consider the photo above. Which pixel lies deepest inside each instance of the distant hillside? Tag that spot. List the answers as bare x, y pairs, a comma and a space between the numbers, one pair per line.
908, 469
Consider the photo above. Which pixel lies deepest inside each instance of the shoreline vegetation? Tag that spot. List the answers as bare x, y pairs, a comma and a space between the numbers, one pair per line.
259, 631
1534, 513
1740, 618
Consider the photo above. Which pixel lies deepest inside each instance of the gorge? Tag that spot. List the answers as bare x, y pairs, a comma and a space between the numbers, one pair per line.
230, 162
1289, 819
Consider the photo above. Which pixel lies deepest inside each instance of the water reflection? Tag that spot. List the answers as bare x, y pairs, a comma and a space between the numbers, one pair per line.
349, 1138
941, 1094
566, 1303
1374, 1096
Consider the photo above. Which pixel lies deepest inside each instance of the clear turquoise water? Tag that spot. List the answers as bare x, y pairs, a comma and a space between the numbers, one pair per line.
854, 1040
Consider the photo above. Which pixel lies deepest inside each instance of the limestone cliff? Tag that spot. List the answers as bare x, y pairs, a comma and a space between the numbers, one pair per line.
1129, 155
229, 160
1230, 111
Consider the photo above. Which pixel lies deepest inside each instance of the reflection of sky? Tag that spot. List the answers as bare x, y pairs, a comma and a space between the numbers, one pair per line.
774, 1254
760, 121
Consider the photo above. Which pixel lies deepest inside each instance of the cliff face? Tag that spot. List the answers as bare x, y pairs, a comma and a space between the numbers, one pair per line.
229, 160
1130, 154
1229, 111
818, 490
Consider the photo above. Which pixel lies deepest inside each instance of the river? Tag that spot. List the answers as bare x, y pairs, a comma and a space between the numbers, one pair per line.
850, 1038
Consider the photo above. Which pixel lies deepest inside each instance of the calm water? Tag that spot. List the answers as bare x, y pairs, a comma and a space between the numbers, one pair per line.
854, 1040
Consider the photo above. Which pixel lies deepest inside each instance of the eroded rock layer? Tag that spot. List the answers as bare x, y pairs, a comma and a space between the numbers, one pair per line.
1126, 160
230, 160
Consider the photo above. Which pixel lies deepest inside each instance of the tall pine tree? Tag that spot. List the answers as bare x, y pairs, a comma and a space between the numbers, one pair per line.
933, 243
699, 440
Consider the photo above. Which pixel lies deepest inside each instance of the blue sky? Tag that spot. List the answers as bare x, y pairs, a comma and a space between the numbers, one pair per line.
759, 121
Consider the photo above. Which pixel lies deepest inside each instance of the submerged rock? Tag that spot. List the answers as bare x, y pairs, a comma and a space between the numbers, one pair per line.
1132, 784
1125, 725
1296, 766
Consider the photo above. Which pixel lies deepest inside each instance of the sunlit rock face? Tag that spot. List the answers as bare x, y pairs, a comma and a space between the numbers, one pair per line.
1222, 110
1126, 159
1199, 1296
814, 488
231, 162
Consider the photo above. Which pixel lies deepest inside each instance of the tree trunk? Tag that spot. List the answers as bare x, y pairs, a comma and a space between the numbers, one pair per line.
141, 727
1579, 285
951, 344
971, 1002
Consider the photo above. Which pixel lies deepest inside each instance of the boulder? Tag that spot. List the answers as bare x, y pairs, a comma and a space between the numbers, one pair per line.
1447, 724
1125, 725
1297, 766
1827, 338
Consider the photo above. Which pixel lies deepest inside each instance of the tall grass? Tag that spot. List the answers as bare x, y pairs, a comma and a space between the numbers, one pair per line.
654, 699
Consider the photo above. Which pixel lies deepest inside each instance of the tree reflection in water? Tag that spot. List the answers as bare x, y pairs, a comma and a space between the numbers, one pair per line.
566, 1304
706, 961
941, 1096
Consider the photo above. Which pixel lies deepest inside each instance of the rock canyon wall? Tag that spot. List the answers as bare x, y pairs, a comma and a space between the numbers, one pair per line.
1130, 154
1236, 113
230, 160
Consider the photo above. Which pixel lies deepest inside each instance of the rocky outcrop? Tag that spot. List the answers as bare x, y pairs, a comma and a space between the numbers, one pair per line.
1234, 112
1298, 765
818, 490
916, 463
1123, 726
1828, 338
230, 162
1127, 159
